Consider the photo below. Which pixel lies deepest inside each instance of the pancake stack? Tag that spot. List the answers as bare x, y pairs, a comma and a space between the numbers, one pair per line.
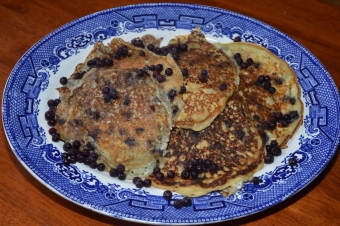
203, 127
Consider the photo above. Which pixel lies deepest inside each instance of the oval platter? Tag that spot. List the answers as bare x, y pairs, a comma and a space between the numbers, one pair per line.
35, 78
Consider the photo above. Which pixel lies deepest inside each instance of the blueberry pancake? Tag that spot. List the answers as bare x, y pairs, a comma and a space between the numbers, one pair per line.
118, 111
210, 79
219, 158
124, 55
270, 90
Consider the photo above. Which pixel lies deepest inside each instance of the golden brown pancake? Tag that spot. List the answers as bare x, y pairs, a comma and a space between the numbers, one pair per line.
262, 105
231, 141
205, 96
132, 129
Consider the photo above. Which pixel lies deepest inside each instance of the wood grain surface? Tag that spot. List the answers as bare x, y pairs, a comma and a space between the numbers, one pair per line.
25, 201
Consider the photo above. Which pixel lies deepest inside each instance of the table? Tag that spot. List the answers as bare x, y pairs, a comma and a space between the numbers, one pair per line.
24, 201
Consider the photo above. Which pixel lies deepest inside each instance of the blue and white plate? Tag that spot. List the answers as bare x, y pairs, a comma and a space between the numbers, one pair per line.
36, 75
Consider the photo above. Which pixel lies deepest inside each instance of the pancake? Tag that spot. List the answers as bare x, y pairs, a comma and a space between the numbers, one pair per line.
132, 129
231, 141
277, 111
126, 55
213, 78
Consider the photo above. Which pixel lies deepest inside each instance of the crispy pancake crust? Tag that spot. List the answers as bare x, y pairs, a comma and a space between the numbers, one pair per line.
231, 141
203, 101
259, 101
132, 130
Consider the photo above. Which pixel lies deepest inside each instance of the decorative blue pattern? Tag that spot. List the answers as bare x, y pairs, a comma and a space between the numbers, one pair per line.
30, 83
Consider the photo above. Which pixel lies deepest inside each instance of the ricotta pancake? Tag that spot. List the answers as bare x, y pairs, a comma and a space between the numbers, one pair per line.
211, 80
231, 142
118, 111
270, 90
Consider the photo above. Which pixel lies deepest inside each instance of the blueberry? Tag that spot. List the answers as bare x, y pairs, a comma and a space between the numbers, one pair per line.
139, 183
239, 61
105, 89
237, 39
113, 94
171, 174
267, 78
141, 53
292, 100
63, 80
167, 195
152, 67
277, 116
52, 131
185, 72
140, 73
86, 152
249, 62
151, 47
177, 204
292, 162
72, 152
284, 123
186, 201
287, 117
147, 183
200, 169
159, 176
274, 143
183, 90
49, 115
106, 98
94, 156
213, 168
175, 56
189, 166
203, 78
266, 85
158, 50
156, 170
76, 144
294, 114
113, 172
80, 158
276, 151
107, 61
272, 90
207, 163
66, 162
135, 179
159, 67
168, 71
223, 86
55, 137
185, 174
160, 78
120, 168
271, 125
93, 165
52, 122
183, 47
260, 78
121, 176
256, 180
269, 159
194, 174
172, 93
237, 56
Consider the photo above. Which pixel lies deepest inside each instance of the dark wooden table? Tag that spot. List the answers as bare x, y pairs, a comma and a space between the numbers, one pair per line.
24, 201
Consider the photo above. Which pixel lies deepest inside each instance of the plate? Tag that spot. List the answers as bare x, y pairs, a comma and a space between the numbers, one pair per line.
36, 75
